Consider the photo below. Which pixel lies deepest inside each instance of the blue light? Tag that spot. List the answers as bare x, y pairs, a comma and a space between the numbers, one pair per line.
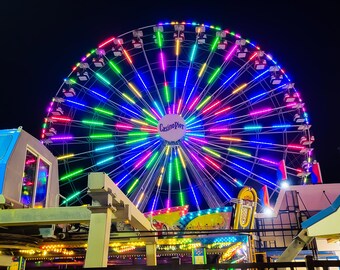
257, 96
75, 102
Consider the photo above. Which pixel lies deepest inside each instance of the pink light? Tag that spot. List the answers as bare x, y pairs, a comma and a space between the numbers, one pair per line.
212, 106
123, 126
198, 140
212, 163
193, 103
218, 129
168, 203
30, 161
106, 42
290, 105
179, 105
223, 110
295, 146
230, 53
169, 110
260, 111
162, 61
142, 160
148, 129
62, 119
155, 113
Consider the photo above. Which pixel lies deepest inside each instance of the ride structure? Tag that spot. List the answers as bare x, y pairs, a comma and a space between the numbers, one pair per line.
179, 113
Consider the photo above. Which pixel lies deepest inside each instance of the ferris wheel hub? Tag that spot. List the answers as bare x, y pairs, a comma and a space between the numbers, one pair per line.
172, 127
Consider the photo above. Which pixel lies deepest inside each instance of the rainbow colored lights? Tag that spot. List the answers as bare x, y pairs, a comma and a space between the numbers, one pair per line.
241, 116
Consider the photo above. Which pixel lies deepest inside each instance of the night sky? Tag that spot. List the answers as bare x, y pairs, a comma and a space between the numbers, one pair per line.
42, 40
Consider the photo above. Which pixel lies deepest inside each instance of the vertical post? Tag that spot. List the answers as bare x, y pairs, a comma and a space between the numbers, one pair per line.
309, 262
99, 237
151, 259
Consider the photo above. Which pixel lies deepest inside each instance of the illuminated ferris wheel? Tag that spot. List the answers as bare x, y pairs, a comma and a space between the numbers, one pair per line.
178, 114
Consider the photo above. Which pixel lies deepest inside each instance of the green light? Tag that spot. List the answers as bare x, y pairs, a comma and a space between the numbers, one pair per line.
138, 133
178, 171
166, 93
101, 77
181, 198
44, 125
214, 75
215, 43
135, 141
169, 172
103, 111
159, 37
71, 197
192, 118
236, 151
66, 176
114, 67
72, 81
151, 121
205, 101
193, 52
129, 98
132, 186
211, 151
151, 160
92, 123
101, 136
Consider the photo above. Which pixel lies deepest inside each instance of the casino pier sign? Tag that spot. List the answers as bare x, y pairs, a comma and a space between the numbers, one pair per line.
171, 127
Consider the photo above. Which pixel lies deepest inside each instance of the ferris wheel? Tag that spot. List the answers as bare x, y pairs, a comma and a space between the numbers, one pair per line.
178, 113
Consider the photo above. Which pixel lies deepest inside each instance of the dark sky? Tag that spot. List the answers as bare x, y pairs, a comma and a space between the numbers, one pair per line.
42, 40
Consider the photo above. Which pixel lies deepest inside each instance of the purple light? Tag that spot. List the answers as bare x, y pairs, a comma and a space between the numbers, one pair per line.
198, 140
162, 61
218, 129
268, 161
260, 111
142, 160
230, 53
62, 138
195, 157
155, 113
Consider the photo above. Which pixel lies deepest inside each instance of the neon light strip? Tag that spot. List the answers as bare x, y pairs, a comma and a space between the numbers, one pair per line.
128, 98
106, 42
233, 150
102, 148
230, 53
124, 126
138, 122
61, 118
239, 88
193, 103
177, 47
162, 61
102, 78
223, 110
205, 101
212, 106
260, 111
202, 70
214, 75
65, 156
157, 107
134, 89
104, 161
179, 105
212, 163
100, 110
210, 151
198, 140
132, 186
142, 160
